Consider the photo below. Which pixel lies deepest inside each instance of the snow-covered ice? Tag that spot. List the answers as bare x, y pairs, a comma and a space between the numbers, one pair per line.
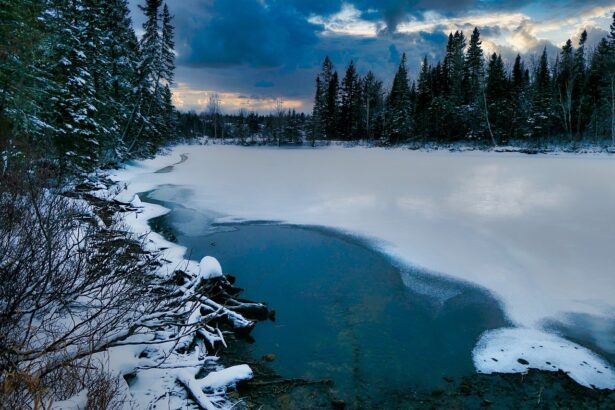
514, 350
538, 231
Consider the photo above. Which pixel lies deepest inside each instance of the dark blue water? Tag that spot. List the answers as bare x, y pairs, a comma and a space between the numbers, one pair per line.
344, 311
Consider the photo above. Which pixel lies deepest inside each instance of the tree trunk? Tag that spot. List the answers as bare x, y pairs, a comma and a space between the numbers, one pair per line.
487, 118
613, 109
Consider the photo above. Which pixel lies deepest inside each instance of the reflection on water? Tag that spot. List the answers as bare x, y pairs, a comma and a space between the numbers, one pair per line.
343, 310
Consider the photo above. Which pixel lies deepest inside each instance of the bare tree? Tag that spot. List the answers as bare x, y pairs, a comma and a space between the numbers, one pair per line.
278, 112
213, 109
73, 285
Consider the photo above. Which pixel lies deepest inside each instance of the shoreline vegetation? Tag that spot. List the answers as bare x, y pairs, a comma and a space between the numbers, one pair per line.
96, 312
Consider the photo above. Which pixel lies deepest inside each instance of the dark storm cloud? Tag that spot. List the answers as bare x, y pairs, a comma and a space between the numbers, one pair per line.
271, 48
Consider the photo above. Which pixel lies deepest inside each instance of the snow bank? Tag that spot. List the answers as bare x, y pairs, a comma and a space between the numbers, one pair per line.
228, 377
158, 371
514, 350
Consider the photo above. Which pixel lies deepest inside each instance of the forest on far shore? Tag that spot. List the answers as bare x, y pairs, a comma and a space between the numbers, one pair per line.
468, 97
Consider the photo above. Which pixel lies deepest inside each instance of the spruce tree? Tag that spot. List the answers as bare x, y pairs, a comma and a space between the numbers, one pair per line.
565, 79
542, 102
373, 105
423, 100
399, 110
473, 85
318, 111
168, 47
332, 107
579, 92
350, 101
497, 97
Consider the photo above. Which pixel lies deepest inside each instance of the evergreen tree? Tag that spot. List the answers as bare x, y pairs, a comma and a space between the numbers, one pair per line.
579, 93
71, 89
566, 77
520, 104
168, 47
497, 97
373, 105
318, 112
423, 100
332, 107
453, 115
23, 34
474, 68
399, 110
473, 86
350, 104
542, 108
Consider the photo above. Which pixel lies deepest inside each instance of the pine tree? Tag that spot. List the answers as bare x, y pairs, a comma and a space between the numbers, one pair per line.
72, 91
350, 104
373, 105
151, 70
520, 105
473, 85
423, 100
399, 110
542, 112
565, 79
168, 47
454, 62
318, 112
497, 97
21, 85
328, 100
474, 68
599, 87
579, 92
453, 113
332, 107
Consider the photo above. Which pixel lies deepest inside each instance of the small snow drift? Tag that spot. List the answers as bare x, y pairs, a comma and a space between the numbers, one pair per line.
136, 202
210, 268
514, 350
227, 378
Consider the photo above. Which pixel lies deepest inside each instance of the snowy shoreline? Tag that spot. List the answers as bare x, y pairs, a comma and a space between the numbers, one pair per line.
166, 364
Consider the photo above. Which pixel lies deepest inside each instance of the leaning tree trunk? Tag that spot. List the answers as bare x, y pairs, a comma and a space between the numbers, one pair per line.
487, 118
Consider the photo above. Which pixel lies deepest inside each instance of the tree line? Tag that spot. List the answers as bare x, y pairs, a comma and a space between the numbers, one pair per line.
280, 126
78, 87
467, 97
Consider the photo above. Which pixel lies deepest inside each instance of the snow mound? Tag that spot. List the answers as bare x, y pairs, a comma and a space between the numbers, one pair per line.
228, 377
136, 202
515, 350
210, 268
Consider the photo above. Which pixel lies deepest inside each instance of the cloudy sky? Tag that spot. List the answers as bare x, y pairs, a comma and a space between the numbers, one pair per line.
254, 51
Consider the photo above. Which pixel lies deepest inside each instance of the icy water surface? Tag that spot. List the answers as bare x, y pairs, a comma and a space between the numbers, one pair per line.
343, 310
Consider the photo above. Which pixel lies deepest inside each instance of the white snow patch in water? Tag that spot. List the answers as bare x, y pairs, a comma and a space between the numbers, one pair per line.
514, 350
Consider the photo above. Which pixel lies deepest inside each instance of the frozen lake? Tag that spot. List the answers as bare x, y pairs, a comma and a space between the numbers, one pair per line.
538, 232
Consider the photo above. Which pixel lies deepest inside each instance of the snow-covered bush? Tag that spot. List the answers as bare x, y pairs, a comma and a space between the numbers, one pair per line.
69, 286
